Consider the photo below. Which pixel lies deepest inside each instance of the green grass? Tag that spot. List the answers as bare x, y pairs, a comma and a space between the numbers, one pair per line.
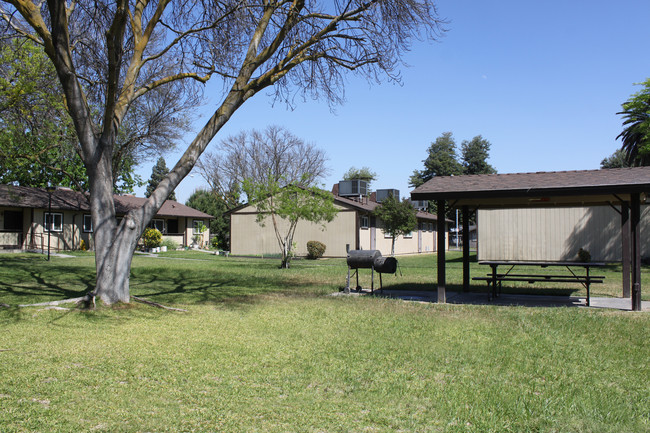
266, 350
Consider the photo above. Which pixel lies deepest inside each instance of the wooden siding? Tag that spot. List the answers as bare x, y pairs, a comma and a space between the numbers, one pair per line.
554, 234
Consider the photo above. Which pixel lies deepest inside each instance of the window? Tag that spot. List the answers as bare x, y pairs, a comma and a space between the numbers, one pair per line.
408, 235
196, 224
364, 221
13, 220
158, 224
53, 222
172, 226
88, 224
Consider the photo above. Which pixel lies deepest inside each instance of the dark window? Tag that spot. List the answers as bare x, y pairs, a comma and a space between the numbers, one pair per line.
13, 220
172, 226
88, 224
158, 224
364, 222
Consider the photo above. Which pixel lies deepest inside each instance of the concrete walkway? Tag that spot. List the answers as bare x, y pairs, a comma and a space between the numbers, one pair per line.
509, 299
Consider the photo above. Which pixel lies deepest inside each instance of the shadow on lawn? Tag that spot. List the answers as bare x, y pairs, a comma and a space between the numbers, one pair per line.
207, 287
41, 281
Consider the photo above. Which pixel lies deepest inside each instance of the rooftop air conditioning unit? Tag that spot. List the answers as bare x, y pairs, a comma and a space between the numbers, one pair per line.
353, 188
382, 194
420, 204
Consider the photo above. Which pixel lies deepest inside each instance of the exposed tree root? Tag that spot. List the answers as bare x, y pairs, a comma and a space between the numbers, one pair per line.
88, 302
55, 303
155, 304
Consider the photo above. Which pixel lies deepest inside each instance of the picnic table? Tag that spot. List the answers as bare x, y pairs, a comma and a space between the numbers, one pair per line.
495, 278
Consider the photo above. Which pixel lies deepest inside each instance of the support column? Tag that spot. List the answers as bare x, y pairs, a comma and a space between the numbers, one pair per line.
466, 275
442, 232
635, 205
625, 247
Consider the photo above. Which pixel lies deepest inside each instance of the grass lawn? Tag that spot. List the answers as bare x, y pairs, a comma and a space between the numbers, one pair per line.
267, 350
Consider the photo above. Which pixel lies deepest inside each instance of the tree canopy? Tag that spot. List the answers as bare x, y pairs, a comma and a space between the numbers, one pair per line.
290, 202
158, 173
115, 57
363, 173
618, 159
37, 138
274, 154
475, 154
636, 121
443, 159
398, 218
215, 205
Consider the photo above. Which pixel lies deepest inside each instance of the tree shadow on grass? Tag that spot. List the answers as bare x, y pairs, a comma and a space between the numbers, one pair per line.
32, 281
207, 287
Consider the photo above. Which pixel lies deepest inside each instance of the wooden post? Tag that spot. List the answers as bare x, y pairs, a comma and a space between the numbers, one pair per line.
625, 247
635, 205
442, 231
466, 274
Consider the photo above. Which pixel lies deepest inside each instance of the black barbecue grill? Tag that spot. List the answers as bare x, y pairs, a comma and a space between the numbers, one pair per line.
369, 259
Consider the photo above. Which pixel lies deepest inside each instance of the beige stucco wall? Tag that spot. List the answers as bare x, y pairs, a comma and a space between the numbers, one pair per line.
420, 241
249, 238
37, 237
554, 233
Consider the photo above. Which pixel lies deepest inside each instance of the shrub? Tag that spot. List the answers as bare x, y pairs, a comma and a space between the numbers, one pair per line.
315, 250
152, 238
170, 244
214, 242
82, 245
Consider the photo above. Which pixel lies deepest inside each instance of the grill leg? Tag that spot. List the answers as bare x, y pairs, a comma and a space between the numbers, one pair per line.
358, 286
347, 283
372, 280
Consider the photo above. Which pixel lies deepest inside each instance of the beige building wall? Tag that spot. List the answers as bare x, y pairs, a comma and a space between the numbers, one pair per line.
37, 237
554, 234
249, 238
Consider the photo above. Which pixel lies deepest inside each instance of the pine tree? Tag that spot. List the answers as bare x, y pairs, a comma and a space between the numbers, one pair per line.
158, 172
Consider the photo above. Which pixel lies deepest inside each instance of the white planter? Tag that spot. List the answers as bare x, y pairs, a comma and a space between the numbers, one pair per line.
163, 249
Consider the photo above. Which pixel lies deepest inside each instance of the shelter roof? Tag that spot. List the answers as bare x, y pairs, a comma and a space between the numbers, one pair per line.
542, 188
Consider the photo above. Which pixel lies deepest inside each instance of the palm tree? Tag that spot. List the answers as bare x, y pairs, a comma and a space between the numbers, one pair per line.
636, 120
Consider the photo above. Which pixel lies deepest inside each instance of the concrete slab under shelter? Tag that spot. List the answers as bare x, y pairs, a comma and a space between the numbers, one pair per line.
474, 298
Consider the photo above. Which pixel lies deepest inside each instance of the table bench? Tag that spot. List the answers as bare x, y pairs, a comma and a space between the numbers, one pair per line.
495, 279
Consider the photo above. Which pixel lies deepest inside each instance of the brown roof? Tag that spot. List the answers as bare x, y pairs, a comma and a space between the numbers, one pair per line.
370, 205
67, 199
561, 183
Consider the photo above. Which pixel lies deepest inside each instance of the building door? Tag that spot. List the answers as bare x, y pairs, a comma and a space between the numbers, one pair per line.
373, 233
419, 238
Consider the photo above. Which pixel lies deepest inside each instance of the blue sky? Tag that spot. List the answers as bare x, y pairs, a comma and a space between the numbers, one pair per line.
541, 81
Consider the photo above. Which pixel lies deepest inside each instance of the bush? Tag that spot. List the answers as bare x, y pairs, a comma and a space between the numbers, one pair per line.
152, 238
83, 246
170, 244
214, 242
315, 250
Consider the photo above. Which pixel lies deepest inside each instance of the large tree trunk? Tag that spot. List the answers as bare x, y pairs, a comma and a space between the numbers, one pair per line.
114, 269
114, 245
